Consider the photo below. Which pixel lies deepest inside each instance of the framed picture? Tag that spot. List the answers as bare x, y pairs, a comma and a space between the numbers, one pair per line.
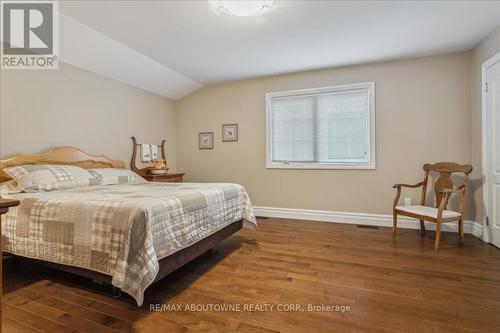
229, 132
145, 152
149, 152
206, 140
154, 152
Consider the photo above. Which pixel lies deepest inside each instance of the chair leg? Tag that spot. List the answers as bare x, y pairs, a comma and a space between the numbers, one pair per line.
461, 231
422, 228
438, 236
394, 223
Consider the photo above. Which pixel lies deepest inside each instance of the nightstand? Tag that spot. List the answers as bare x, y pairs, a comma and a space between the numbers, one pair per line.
5, 204
167, 178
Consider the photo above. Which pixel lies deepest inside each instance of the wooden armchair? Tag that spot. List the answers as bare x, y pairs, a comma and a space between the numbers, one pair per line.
443, 189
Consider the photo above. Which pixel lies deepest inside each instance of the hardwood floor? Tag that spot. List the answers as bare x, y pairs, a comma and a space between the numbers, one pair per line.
390, 285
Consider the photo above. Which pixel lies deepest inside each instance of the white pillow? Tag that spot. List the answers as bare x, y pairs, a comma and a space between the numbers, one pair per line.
36, 178
111, 176
9, 187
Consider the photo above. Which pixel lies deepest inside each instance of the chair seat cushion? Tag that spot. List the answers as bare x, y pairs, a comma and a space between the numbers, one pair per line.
427, 211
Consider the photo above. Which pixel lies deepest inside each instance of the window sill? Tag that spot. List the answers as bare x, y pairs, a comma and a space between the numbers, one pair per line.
321, 166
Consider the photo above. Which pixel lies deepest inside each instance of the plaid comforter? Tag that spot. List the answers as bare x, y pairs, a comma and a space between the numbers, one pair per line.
121, 230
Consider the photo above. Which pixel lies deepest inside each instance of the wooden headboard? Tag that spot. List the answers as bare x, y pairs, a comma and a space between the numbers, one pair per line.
59, 155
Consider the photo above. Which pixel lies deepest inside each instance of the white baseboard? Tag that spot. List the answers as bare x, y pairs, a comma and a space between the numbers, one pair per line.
380, 220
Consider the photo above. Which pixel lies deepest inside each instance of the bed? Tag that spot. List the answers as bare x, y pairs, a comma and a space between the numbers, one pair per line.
129, 235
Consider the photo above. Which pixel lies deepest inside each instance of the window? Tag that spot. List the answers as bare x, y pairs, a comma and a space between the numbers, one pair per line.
324, 128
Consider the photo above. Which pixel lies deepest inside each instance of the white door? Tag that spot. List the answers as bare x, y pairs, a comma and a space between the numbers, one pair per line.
492, 158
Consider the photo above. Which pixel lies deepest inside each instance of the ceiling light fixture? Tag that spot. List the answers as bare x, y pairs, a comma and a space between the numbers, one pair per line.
242, 7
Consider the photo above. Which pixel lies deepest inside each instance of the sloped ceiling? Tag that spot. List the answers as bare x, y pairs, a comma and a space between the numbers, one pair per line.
175, 47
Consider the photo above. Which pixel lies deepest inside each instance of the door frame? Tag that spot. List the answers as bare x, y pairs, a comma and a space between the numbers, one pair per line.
488, 63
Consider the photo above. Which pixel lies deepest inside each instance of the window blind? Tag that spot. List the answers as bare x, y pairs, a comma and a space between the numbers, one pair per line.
320, 127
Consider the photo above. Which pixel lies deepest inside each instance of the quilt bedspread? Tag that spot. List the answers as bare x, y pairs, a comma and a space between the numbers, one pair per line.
121, 230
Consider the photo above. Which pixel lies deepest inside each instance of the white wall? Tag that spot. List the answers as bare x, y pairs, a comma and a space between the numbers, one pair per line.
41, 109
422, 115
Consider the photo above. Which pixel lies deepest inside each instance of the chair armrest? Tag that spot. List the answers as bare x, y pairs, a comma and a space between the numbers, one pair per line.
398, 191
409, 185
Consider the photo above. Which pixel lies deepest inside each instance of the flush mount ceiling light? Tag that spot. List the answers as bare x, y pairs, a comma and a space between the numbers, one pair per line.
242, 7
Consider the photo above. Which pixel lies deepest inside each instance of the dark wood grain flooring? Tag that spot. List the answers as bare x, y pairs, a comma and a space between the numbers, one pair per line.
390, 285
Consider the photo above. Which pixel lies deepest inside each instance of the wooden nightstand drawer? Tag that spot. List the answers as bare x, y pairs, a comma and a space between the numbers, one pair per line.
168, 178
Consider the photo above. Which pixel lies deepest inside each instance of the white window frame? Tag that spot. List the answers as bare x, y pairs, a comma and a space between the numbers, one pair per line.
371, 160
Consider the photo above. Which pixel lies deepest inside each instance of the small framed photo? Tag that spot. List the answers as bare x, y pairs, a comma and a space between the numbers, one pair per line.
149, 152
206, 140
145, 152
154, 152
229, 132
